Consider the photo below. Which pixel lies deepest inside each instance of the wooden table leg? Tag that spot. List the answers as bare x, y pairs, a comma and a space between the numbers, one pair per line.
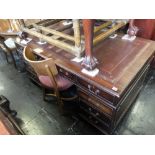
132, 30
89, 61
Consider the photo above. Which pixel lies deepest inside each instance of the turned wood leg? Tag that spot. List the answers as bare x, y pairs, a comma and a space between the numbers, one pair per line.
89, 61
132, 30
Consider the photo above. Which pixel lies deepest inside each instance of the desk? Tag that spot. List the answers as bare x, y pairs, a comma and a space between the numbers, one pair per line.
105, 98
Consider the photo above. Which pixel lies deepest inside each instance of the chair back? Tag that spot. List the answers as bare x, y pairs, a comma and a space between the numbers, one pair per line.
40, 67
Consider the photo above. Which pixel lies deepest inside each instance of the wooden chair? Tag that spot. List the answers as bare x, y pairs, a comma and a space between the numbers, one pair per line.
49, 77
7, 51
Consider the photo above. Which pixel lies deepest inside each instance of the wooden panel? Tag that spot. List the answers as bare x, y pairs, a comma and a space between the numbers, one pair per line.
28, 22
146, 28
4, 25
133, 91
9, 24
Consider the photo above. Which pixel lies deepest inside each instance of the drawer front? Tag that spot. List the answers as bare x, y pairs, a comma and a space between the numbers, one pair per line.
96, 91
93, 113
87, 86
67, 74
97, 124
95, 104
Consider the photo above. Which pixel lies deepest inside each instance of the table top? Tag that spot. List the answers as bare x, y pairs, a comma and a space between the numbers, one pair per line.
119, 61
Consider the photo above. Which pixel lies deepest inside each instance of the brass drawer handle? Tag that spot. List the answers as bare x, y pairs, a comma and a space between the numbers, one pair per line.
97, 92
97, 114
67, 73
89, 109
89, 87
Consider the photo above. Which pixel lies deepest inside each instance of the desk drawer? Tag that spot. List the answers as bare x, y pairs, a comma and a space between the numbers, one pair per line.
96, 91
103, 127
67, 74
95, 114
87, 86
94, 103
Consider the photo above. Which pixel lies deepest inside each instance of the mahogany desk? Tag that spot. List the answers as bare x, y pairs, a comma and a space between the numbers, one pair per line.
105, 98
